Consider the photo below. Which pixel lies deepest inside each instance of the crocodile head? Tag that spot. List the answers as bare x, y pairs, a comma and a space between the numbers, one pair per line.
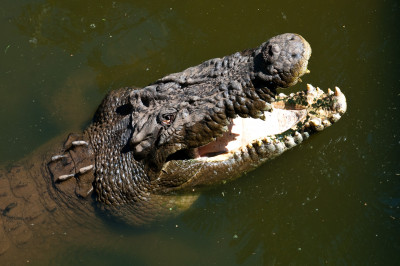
181, 112
155, 147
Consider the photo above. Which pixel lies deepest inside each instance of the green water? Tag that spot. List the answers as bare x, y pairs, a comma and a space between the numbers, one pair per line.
333, 200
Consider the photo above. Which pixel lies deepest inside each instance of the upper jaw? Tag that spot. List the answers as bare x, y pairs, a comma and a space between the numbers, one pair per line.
292, 119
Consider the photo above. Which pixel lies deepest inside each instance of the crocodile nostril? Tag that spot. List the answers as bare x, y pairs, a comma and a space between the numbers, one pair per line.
270, 52
125, 109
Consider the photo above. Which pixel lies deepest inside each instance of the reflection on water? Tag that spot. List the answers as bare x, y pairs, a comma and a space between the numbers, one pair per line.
333, 200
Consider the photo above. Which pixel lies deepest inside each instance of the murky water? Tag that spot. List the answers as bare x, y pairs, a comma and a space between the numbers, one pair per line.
333, 200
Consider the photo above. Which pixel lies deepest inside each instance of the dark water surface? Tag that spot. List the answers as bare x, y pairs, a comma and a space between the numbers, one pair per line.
333, 200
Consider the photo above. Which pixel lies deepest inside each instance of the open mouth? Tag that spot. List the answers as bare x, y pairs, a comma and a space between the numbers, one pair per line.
292, 119
250, 142
243, 131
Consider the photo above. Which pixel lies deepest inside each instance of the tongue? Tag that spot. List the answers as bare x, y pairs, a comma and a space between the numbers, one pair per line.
243, 131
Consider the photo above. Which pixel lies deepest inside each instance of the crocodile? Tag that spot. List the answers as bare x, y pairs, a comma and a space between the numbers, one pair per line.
149, 152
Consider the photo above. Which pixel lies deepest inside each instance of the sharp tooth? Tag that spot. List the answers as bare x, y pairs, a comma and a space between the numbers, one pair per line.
289, 142
330, 92
307, 71
282, 95
316, 123
310, 88
270, 147
267, 107
339, 104
326, 123
297, 137
305, 135
267, 140
280, 147
338, 91
245, 154
299, 79
335, 117
261, 150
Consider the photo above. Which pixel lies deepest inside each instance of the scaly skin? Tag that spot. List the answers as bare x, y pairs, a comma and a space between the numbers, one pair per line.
149, 151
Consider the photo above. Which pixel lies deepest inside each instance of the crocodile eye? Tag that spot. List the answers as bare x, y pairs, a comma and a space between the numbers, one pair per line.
167, 119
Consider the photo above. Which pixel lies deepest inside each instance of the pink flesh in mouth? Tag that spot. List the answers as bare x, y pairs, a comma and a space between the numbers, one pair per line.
243, 131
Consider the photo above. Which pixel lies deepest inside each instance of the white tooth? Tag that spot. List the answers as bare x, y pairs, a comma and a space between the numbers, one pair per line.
326, 123
330, 92
310, 88
297, 137
245, 154
270, 147
282, 95
267, 107
267, 140
319, 128
340, 104
280, 147
291, 95
289, 142
316, 123
305, 135
338, 91
261, 150
335, 117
